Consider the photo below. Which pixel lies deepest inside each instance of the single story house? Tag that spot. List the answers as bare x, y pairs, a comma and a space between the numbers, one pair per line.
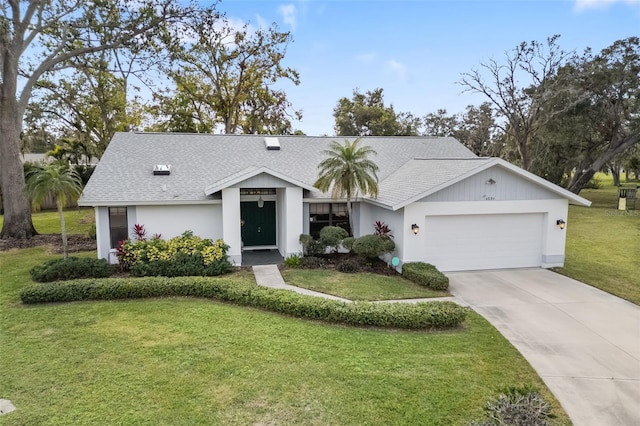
444, 204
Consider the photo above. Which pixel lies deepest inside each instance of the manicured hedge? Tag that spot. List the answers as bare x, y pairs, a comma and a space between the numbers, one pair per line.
71, 268
395, 315
425, 274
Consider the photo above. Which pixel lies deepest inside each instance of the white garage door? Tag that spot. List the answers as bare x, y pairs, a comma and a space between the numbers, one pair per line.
471, 242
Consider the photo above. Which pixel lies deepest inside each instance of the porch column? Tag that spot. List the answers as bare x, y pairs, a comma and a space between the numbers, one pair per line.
231, 224
293, 220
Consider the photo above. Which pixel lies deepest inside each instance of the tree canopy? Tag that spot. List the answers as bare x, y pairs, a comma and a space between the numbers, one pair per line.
228, 77
366, 114
41, 37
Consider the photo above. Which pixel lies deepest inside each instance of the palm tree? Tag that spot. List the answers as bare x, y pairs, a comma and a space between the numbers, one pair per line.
58, 179
347, 170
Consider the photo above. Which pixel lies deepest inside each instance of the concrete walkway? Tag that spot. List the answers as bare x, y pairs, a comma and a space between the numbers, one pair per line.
584, 343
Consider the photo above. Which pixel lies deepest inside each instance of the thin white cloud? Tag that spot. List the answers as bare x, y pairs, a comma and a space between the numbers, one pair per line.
397, 68
581, 5
262, 23
289, 14
366, 58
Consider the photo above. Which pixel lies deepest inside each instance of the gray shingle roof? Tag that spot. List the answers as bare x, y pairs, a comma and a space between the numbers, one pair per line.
124, 174
419, 176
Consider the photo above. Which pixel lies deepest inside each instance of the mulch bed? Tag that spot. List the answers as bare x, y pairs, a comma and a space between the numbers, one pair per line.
75, 243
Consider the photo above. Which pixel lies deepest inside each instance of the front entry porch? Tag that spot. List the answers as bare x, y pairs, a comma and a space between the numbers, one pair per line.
261, 257
257, 218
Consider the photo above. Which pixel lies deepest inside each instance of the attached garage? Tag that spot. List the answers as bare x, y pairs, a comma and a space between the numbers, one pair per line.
484, 241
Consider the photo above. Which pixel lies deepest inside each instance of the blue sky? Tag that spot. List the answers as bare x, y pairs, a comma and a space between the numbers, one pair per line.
416, 50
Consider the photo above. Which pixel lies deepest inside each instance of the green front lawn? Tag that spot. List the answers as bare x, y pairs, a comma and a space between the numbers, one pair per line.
190, 361
77, 221
603, 244
360, 286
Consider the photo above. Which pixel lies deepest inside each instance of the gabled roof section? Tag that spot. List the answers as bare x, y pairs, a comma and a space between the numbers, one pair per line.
201, 163
420, 178
249, 173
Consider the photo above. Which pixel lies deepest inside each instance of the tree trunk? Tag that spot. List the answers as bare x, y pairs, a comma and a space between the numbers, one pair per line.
615, 172
349, 213
582, 178
17, 210
63, 228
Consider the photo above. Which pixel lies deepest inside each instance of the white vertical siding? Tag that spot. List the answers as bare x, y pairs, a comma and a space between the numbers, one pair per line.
507, 186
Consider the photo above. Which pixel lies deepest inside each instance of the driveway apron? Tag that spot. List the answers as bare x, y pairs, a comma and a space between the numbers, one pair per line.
584, 343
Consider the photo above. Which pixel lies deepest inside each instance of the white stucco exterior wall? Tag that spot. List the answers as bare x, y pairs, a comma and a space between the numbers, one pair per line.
553, 239
171, 221
231, 231
293, 215
102, 232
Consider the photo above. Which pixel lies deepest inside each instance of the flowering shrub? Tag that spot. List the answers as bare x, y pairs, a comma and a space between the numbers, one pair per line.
205, 256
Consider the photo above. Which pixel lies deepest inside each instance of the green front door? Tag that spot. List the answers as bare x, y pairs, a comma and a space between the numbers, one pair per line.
259, 227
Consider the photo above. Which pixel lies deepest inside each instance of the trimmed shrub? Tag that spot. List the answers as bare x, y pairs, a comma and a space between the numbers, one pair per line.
293, 261
425, 274
312, 262
348, 243
426, 315
349, 266
331, 236
372, 246
71, 268
182, 266
311, 247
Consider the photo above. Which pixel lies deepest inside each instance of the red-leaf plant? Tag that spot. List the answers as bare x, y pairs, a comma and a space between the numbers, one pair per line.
382, 229
141, 233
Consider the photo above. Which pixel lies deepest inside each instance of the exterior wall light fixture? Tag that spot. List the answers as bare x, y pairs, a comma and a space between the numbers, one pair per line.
415, 228
561, 223
260, 202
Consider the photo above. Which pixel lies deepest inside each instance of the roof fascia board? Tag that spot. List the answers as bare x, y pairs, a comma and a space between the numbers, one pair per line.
219, 187
147, 203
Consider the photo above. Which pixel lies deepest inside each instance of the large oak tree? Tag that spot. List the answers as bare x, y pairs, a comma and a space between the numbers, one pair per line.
41, 37
228, 77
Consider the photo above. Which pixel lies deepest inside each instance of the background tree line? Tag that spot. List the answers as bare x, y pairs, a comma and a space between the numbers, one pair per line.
561, 115
74, 73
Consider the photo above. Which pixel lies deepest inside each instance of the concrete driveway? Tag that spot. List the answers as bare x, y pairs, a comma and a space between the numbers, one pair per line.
584, 343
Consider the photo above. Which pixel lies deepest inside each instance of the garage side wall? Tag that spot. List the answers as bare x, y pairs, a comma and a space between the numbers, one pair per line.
370, 213
551, 240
